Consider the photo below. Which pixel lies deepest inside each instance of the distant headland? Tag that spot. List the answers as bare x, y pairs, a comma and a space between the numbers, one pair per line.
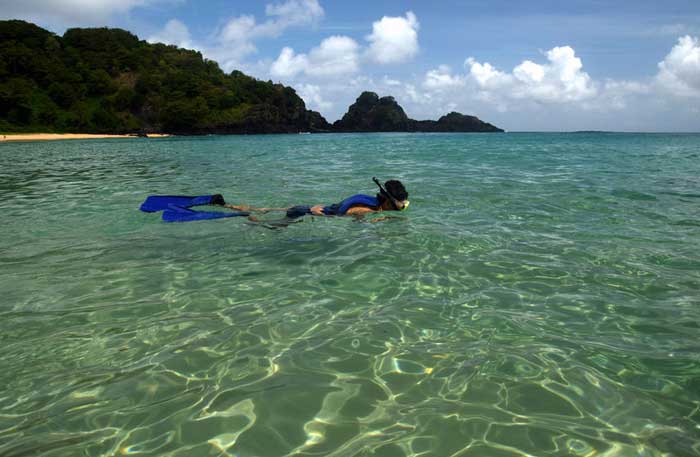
107, 81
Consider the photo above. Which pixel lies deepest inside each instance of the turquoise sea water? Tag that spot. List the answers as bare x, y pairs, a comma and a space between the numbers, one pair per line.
541, 297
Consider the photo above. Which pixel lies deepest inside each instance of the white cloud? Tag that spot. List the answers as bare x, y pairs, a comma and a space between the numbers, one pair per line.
175, 33
311, 94
560, 80
486, 76
288, 64
394, 39
236, 39
529, 72
292, 13
335, 56
679, 72
69, 12
240, 29
391, 82
442, 78
617, 93
295, 12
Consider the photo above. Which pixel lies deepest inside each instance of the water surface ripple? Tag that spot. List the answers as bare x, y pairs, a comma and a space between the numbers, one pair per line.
541, 297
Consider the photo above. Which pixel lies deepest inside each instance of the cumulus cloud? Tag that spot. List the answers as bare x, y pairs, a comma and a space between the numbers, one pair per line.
336, 55
288, 64
175, 33
617, 93
560, 80
69, 12
292, 13
679, 72
311, 94
394, 39
442, 78
391, 82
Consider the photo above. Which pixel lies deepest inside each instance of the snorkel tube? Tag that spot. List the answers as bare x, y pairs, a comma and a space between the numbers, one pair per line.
394, 201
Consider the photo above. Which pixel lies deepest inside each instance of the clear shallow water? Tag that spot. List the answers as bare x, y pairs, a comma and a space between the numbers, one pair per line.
540, 297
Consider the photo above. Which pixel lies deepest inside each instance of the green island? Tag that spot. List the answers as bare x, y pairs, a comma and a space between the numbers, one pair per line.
102, 80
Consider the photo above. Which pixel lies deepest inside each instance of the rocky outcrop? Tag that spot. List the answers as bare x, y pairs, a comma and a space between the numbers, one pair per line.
370, 113
456, 122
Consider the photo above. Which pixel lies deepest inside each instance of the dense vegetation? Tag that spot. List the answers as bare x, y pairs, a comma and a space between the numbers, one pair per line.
107, 80
370, 113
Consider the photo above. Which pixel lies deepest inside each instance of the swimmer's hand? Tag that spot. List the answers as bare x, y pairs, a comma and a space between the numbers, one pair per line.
317, 210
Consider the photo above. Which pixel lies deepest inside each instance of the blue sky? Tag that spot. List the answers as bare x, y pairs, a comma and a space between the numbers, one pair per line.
538, 65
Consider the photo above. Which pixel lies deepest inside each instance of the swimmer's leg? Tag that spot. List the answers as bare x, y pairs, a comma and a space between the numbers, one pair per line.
249, 208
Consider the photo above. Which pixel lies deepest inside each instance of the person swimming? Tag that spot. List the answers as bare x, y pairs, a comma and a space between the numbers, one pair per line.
392, 196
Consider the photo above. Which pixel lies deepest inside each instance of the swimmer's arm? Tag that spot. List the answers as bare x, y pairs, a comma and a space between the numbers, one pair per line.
359, 211
354, 211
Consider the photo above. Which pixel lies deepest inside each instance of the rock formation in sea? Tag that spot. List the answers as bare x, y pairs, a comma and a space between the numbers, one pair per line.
371, 113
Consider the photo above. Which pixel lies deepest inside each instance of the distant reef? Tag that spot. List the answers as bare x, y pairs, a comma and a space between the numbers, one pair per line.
370, 113
103, 80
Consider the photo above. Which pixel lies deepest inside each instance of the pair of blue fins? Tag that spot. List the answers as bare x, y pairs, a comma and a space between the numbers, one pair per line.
177, 208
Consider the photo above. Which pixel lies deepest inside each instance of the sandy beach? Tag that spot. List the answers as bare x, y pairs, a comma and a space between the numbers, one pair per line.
68, 136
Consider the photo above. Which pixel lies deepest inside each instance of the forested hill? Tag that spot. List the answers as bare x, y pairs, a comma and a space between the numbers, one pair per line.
107, 80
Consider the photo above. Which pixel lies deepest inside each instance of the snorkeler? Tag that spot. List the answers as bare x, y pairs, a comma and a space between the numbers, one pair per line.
392, 196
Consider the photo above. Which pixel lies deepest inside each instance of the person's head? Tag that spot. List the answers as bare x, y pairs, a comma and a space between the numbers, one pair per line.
397, 190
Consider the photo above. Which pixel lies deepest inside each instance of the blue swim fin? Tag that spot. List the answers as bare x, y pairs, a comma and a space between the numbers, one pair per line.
176, 208
179, 214
161, 202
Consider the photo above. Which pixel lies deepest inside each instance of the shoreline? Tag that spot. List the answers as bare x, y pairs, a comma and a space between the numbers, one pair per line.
70, 136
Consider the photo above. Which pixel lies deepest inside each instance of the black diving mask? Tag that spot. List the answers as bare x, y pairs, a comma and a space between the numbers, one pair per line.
393, 200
